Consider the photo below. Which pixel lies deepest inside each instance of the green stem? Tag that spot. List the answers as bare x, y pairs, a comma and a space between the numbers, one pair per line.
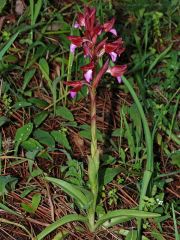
93, 162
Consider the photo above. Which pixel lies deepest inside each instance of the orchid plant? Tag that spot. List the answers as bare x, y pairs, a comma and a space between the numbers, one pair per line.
97, 48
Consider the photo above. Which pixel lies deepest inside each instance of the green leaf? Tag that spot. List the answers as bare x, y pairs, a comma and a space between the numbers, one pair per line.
27, 207
2, 4
3, 120
9, 210
65, 113
132, 235
87, 134
31, 145
106, 175
22, 134
125, 212
36, 199
176, 158
27, 78
27, 191
70, 189
61, 235
37, 9
119, 132
19, 105
135, 116
44, 137
60, 222
40, 103
60, 137
156, 235
116, 220
33, 206
40, 117
7, 183
44, 67
108, 159
7, 46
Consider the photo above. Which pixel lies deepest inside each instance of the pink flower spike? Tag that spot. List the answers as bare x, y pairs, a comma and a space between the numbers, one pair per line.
113, 56
113, 31
72, 48
73, 94
88, 75
119, 79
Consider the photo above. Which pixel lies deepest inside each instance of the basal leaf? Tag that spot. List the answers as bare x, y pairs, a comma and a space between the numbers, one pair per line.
127, 213
70, 189
60, 222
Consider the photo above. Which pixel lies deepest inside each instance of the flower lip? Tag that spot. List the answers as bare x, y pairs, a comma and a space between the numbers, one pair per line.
80, 19
88, 66
76, 40
88, 75
110, 47
109, 25
113, 56
76, 87
117, 71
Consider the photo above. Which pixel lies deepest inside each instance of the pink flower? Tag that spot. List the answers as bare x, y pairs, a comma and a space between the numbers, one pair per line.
76, 41
80, 21
114, 49
88, 71
76, 87
108, 27
117, 71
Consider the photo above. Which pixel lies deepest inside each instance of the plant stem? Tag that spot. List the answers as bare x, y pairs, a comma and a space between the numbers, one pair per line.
93, 162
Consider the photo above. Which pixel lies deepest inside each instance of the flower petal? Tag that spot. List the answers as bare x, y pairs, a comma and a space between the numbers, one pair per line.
72, 48
113, 56
76, 25
88, 75
117, 70
113, 31
119, 79
109, 25
73, 93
